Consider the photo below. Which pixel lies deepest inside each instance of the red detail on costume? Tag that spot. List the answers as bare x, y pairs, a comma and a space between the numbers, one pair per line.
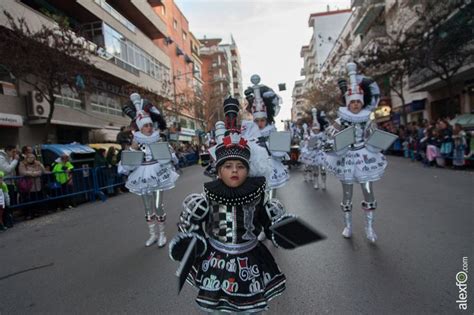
242, 142
227, 141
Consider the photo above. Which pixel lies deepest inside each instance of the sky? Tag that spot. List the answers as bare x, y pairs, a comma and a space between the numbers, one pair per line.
268, 33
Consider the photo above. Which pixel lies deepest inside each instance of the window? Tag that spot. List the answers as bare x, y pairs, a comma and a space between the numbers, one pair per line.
68, 98
185, 35
175, 24
163, 10
105, 103
129, 56
183, 122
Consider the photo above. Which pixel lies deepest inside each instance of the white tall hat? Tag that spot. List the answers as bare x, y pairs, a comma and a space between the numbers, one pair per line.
354, 91
142, 119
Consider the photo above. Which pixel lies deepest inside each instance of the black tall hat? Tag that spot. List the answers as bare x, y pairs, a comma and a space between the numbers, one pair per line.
233, 147
231, 111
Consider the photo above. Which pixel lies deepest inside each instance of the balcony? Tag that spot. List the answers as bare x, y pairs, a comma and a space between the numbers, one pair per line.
141, 13
367, 14
425, 80
374, 32
220, 78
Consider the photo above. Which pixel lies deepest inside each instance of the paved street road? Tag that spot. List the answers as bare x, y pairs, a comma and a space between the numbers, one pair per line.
91, 260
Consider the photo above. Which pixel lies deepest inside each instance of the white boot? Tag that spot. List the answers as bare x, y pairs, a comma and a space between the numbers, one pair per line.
323, 182
153, 236
162, 235
316, 182
347, 232
369, 228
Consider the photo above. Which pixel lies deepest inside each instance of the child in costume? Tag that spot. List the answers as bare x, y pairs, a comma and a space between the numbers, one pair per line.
234, 271
317, 143
306, 155
150, 179
264, 105
360, 162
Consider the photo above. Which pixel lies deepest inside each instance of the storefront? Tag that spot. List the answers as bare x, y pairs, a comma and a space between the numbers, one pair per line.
9, 129
187, 135
383, 112
415, 112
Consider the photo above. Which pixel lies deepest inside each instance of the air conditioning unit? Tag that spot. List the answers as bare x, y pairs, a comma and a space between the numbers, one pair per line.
38, 106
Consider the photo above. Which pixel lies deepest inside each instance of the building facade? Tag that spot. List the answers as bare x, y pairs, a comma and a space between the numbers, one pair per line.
299, 103
123, 35
216, 75
426, 96
326, 28
182, 49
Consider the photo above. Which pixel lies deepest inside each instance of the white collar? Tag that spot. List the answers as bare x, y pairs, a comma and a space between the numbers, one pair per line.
345, 114
267, 129
141, 138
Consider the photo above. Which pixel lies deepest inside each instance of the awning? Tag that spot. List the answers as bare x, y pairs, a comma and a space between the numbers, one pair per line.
11, 120
466, 120
64, 123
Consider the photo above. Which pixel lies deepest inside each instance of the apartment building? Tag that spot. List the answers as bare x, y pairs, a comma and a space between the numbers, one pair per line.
124, 35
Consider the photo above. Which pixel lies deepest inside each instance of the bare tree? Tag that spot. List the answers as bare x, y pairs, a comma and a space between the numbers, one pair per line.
47, 59
446, 40
324, 95
436, 45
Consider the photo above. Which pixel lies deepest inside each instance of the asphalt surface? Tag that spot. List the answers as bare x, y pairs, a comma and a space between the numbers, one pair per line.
92, 259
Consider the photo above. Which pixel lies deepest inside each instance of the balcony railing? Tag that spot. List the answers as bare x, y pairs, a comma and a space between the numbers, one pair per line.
366, 15
107, 7
374, 32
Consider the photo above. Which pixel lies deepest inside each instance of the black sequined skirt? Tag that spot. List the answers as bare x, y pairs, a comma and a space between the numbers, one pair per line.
236, 282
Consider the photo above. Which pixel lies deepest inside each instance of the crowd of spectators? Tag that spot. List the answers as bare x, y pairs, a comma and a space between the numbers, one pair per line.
34, 189
434, 143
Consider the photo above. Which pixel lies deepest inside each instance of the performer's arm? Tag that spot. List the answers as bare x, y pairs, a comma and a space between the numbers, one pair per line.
194, 215
272, 211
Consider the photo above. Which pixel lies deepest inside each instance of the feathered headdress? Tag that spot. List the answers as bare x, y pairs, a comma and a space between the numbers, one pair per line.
263, 102
360, 88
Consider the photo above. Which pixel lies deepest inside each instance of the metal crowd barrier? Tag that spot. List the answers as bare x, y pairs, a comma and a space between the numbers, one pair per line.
84, 184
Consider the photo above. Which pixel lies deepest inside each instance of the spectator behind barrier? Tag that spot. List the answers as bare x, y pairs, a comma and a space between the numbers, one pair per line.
29, 185
4, 201
63, 170
9, 159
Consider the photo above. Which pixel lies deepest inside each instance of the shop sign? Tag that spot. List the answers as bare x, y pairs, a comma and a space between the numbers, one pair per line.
188, 132
11, 120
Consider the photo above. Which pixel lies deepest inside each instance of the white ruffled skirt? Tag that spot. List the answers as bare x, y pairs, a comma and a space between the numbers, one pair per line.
261, 164
148, 178
357, 166
280, 174
312, 157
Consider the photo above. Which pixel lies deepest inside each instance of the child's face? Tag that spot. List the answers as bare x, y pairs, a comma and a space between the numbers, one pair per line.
147, 129
355, 106
233, 173
261, 122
